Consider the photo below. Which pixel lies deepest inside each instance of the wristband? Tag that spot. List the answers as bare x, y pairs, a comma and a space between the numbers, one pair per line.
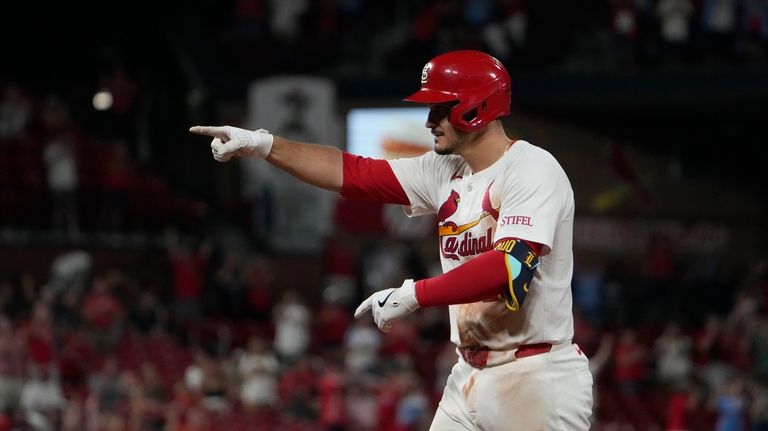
265, 145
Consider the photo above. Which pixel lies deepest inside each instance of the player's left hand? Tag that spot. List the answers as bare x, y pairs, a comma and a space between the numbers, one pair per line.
389, 305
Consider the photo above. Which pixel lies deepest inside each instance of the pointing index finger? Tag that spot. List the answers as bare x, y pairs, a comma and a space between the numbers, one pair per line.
214, 132
364, 307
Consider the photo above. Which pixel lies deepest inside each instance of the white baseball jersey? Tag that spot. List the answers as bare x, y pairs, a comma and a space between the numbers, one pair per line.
526, 195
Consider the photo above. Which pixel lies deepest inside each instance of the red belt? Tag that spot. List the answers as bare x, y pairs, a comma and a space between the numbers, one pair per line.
478, 356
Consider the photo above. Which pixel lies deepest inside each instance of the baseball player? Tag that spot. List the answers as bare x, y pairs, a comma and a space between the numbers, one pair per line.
505, 214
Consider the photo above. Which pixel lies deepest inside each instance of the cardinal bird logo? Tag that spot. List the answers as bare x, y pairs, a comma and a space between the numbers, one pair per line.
445, 227
455, 240
447, 209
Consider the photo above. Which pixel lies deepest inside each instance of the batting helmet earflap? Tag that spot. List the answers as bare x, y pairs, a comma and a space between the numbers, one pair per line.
477, 81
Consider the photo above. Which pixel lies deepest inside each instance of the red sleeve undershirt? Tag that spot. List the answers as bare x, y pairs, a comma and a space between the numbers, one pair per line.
371, 179
481, 279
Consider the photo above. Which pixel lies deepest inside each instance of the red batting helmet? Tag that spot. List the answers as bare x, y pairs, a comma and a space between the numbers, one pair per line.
479, 82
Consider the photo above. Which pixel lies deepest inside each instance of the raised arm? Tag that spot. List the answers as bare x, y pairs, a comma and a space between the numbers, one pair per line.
318, 165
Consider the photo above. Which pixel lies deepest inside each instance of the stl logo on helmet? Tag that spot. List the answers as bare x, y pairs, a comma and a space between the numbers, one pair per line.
425, 73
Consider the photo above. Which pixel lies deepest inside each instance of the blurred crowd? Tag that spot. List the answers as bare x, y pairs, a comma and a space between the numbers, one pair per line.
363, 38
680, 344
114, 169
208, 343
211, 342
58, 175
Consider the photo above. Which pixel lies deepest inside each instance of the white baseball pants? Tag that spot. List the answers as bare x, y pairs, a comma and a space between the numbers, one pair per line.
546, 392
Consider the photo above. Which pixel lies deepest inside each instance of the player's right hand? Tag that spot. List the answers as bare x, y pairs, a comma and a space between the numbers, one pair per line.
231, 141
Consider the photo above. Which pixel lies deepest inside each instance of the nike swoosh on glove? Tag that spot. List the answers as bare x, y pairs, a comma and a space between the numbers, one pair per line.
389, 305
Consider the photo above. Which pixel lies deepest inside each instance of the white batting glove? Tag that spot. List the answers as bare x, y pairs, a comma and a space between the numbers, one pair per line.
389, 305
231, 141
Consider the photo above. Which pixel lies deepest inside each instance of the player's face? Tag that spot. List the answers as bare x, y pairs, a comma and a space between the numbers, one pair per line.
446, 137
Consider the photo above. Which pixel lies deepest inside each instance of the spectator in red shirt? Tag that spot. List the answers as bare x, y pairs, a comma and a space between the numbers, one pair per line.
119, 178
332, 400
705, 341
333, 320
187, 268
195, 419
677, 408
38, 336
297, 387
103, 314
258, 298
6, 422
389, 397
630, 367
78, 357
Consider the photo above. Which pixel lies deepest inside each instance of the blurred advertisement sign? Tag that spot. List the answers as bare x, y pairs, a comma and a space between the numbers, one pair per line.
631, 236
289, 214
388, 133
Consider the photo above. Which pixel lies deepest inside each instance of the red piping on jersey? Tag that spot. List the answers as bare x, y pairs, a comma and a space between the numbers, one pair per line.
483, 278
487, 207
371, 179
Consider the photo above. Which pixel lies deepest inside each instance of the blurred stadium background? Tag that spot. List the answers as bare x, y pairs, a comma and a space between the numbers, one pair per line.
145, 287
